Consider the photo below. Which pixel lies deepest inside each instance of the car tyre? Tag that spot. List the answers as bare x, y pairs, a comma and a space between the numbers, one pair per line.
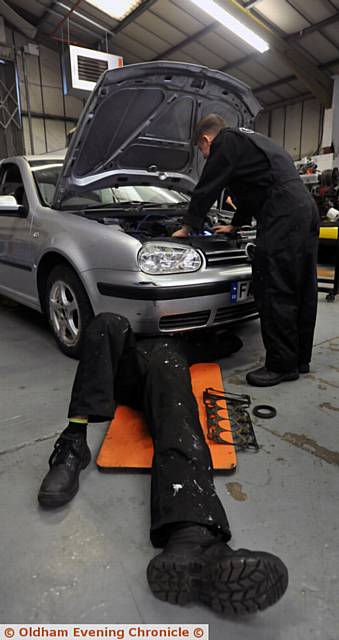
68, 309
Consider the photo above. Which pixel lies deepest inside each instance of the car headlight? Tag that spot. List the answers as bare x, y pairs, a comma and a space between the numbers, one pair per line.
164, 259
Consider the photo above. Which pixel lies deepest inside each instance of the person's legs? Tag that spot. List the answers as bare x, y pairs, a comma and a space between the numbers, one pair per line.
108, 369
278, 283
309, 296
182, 473
187, 517
278, 318
107, 373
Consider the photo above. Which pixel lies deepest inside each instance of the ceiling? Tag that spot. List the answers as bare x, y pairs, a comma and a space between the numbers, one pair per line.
306, 30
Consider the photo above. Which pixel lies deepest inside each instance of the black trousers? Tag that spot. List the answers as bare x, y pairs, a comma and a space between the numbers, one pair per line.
285, 276
153, 375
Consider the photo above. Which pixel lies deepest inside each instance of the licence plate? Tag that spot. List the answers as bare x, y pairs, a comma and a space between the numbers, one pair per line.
240, 291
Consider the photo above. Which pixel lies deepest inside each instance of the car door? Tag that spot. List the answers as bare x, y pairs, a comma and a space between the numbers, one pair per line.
16, 264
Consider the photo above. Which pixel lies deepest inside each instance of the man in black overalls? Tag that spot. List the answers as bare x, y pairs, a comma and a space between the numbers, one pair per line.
266, 185
187, 517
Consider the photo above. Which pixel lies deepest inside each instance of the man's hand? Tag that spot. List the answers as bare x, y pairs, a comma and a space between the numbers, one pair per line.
183, 232
226, 228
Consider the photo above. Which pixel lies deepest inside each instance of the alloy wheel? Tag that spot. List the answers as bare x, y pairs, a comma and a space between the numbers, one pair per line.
64, 313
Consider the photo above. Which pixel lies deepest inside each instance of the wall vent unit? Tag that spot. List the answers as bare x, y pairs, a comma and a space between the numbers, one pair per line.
83, 68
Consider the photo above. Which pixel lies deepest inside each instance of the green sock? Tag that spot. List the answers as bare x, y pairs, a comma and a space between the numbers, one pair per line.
77, 427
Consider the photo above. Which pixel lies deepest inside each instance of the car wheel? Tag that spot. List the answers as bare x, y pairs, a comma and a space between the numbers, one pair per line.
68, 309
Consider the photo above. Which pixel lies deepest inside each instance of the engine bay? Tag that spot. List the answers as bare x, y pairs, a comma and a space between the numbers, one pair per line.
149, 223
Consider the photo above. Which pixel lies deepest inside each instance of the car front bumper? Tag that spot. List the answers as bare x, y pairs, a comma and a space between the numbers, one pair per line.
154, 310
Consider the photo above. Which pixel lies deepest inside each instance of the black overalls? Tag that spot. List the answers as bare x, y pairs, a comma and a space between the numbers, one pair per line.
153, 375
263, 178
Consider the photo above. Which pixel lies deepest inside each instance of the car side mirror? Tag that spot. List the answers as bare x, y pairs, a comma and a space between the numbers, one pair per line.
10, 208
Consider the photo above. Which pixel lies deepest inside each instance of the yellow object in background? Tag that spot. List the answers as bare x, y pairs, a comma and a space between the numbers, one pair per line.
328, 233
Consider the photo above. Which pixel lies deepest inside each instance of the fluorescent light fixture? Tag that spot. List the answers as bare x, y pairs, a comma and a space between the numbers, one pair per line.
231, 23
118, 9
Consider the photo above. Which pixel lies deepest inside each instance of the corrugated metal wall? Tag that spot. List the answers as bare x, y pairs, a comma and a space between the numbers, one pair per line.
296, 127
52, 114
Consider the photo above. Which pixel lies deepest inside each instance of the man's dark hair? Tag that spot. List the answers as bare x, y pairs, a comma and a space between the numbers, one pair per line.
209, 124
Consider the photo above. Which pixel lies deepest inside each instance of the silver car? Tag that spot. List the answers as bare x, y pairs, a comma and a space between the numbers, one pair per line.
92, 232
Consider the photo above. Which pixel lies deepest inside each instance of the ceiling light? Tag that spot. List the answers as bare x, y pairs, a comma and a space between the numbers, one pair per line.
231, 23
118, 9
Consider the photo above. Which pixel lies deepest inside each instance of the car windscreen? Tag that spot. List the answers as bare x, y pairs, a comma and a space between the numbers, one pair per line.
47, 174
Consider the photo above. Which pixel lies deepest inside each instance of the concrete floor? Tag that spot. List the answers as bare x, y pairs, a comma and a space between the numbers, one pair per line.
86, 563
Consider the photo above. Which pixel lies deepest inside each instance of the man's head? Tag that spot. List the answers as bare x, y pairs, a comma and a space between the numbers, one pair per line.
206, 130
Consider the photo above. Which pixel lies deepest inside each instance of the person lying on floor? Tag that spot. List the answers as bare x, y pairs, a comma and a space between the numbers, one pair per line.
187, 518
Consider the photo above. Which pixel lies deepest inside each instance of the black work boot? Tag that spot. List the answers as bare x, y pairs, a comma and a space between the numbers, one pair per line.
198, 566
304, 368
263, 377
70, 455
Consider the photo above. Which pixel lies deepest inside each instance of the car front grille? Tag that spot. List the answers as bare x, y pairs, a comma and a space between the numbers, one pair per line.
225, 257
184, 320
235, 312
232, 313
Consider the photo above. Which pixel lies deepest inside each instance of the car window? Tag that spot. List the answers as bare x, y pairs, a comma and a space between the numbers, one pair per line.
46, 176
140, 193
11, 183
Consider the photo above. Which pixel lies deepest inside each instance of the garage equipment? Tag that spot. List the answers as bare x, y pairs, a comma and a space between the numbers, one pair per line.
128, 444
330, 232
264, 411
324, 187
232, 425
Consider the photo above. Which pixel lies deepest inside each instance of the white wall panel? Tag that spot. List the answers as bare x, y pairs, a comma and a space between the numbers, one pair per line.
293, 129
328, 128
32, 68
278, 125
39, 138
34, 91
73, 106
69, 125
310, 131
27, 140
53, 101
35, 97
262, 123
50, 67
56, 138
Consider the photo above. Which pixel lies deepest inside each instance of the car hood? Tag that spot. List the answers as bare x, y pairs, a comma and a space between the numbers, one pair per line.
138, 125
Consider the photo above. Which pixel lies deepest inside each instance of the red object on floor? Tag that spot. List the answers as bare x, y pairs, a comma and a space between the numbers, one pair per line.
128, 445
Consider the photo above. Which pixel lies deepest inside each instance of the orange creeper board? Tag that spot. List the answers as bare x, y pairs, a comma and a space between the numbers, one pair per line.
128, 444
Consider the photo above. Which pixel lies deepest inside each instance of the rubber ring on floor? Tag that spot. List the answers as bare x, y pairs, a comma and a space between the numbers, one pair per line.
264, 411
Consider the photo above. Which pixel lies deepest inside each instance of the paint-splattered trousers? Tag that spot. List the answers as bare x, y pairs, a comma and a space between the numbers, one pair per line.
153, 375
